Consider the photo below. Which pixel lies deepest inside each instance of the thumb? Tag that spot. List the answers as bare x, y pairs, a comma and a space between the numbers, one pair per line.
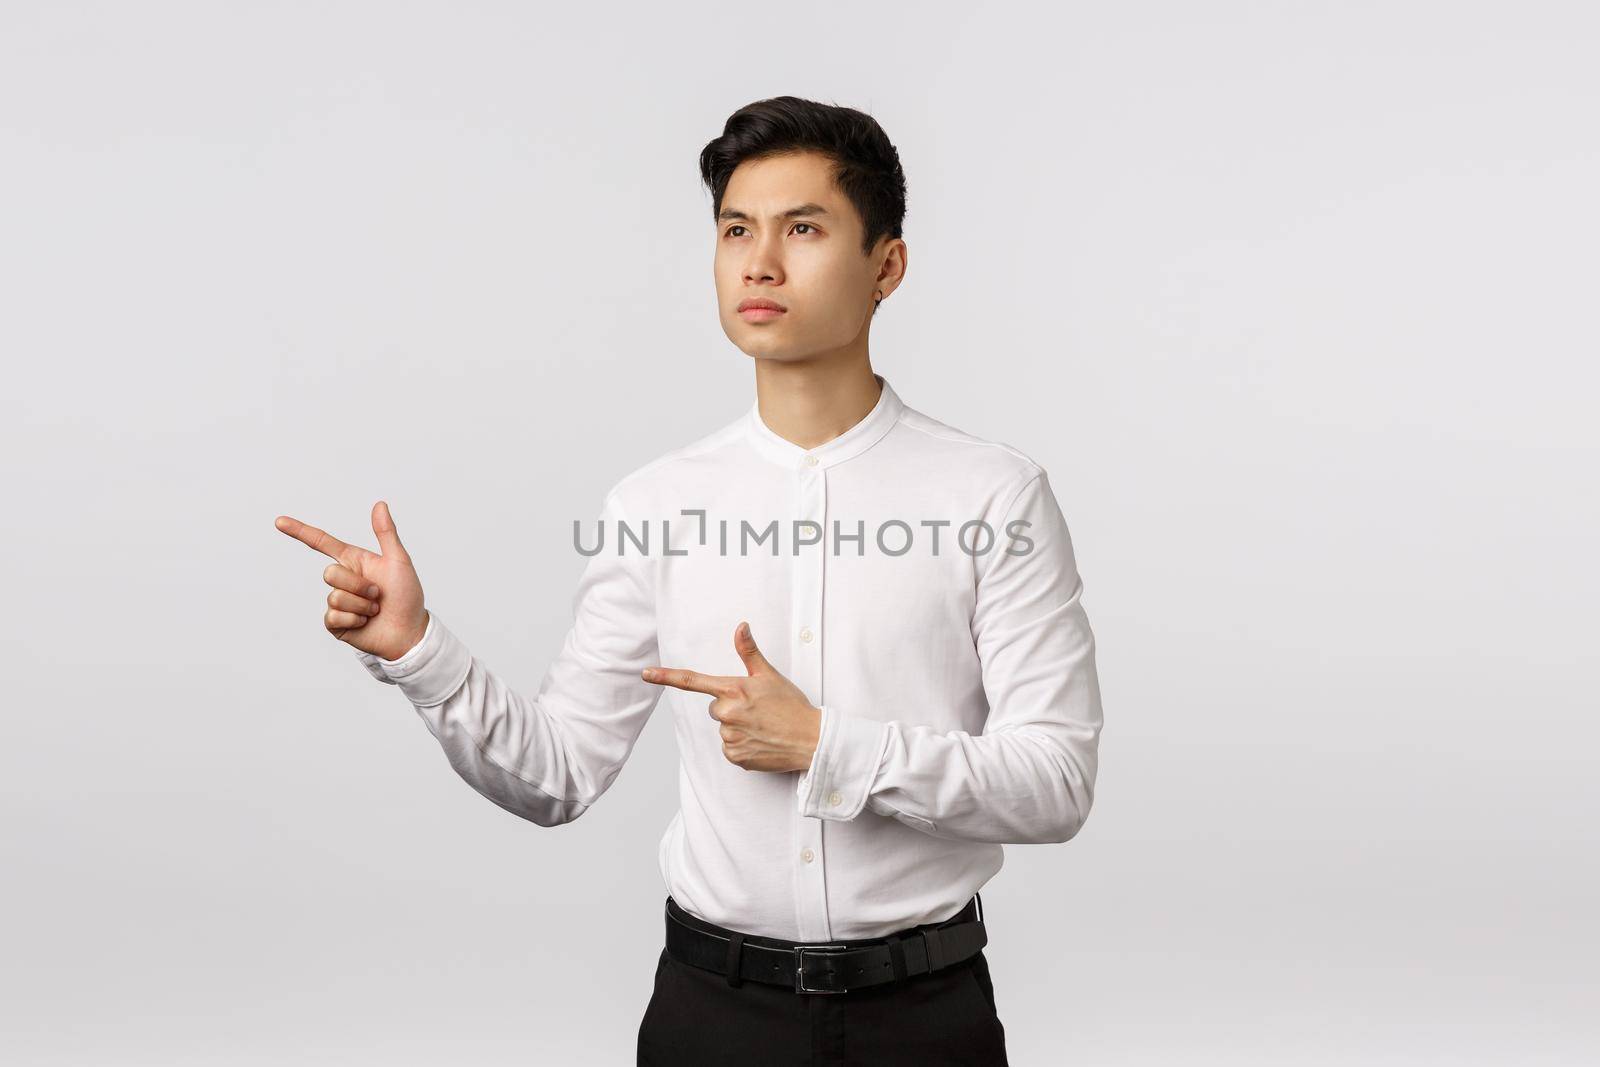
745, 645
388, 536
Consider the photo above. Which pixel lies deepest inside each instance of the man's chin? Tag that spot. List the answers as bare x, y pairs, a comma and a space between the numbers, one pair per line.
767, 348
778, 356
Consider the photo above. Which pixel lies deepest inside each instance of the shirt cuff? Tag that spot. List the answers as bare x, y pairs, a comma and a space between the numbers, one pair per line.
844, 766
375, 664
431, 670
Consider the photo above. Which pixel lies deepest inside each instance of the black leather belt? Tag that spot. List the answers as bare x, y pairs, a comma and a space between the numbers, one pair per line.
832, 967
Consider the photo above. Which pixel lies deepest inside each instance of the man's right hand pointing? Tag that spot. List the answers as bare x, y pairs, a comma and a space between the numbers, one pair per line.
376, 603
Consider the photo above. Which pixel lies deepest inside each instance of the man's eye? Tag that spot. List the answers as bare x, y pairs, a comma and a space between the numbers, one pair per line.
729, 232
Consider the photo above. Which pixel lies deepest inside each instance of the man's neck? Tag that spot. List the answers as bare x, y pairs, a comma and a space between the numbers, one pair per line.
809, 404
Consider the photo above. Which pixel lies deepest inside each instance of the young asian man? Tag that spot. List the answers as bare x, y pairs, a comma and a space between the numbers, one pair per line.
867, 625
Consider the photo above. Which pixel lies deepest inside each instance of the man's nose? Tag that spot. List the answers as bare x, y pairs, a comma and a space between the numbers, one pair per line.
764, 264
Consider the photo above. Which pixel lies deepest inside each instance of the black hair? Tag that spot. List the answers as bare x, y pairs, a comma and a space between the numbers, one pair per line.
866, 165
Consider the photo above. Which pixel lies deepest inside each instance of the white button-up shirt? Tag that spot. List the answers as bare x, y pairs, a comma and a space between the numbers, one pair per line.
916, 582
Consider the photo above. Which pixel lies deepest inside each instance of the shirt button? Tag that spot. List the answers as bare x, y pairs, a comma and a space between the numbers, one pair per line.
807, 855
805, 634
811, 461
833, 799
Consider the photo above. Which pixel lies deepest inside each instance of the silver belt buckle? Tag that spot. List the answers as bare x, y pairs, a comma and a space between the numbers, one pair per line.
800, 966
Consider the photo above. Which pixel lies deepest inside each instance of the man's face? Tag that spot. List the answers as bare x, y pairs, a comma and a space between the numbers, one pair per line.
809, 262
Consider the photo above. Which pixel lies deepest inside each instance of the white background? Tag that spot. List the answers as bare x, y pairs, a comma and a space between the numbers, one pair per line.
1294, 301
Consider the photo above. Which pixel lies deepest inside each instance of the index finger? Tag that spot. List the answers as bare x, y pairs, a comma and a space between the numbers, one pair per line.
693, 681
320, 540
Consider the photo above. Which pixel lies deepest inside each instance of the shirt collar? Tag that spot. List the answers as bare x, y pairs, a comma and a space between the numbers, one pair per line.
854, 441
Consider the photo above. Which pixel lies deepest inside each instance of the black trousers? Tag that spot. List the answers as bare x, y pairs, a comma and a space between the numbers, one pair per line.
696, 1017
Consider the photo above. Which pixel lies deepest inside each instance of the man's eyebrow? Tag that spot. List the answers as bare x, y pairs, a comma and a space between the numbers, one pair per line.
728, 214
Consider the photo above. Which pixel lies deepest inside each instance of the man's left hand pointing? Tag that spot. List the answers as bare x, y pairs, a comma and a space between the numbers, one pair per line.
767, 722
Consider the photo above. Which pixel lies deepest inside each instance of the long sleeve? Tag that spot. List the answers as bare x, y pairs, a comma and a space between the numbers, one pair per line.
1029, 777
546, 758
